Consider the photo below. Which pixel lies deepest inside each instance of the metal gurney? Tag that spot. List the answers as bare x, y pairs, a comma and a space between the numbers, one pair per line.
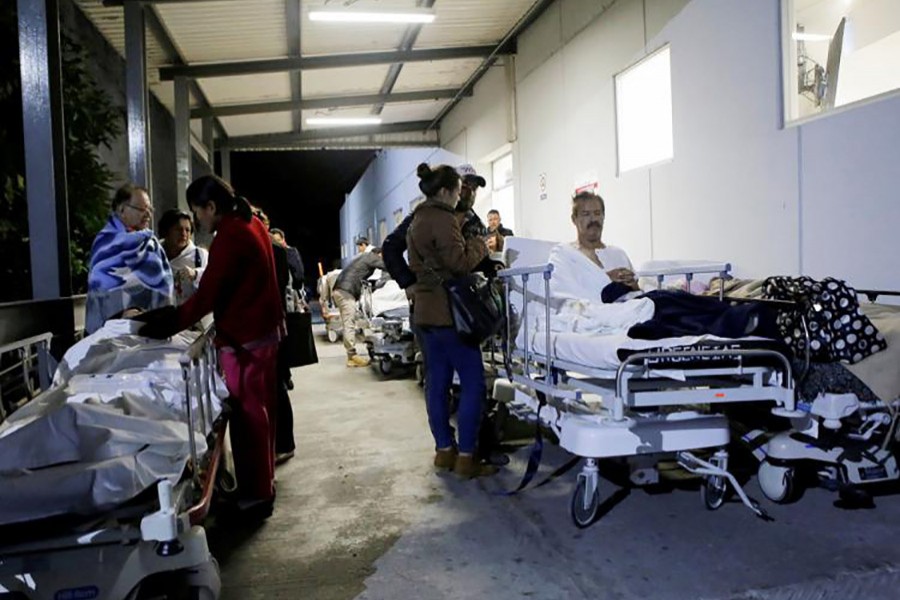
650, 401
389, 337
116, 475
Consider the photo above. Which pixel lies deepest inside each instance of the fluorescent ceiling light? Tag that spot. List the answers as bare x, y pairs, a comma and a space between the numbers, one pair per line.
338, 121
340, 15
810, 37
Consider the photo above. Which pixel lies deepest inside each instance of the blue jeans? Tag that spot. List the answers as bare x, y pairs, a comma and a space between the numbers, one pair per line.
445, 352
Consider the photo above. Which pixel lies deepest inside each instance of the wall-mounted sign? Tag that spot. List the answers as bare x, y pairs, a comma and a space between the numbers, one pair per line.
587, 182
542, 186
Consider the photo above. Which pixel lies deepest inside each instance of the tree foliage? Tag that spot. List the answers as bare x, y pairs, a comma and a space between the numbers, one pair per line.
91, 121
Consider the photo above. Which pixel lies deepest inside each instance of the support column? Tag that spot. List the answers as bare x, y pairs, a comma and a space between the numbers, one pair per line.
209, 141
182, 139
45, 162
136, 95
225, 156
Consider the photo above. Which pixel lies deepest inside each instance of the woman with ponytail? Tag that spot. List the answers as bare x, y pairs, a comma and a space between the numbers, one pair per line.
241, 290
438, 252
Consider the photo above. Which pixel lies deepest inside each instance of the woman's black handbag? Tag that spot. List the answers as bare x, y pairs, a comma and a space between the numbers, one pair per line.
476, 307
299, 345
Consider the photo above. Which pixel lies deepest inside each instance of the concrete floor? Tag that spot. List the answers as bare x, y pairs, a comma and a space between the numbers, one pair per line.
361, 514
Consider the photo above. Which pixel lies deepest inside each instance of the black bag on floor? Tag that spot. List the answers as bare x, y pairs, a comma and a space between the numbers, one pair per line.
299, 345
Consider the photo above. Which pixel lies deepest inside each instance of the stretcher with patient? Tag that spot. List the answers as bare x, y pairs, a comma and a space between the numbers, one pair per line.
106, 475
572, 368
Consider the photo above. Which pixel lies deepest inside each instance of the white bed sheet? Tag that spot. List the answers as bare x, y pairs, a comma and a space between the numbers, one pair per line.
112, 425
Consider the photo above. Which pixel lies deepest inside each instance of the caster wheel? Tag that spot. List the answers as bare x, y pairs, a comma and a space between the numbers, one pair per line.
584, 510
777, 482
385, 366
332, 336
713, 491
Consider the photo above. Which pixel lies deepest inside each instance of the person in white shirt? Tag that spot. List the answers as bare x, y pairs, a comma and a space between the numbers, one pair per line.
581, 269
187, 260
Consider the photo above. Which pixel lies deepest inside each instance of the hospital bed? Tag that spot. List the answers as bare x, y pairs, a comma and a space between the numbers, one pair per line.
612, 397
387, 332
107, 475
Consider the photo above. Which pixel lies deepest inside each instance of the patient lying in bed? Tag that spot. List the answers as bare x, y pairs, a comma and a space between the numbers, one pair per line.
112, 425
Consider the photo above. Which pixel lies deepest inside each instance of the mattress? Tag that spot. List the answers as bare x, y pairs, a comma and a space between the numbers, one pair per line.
606, 352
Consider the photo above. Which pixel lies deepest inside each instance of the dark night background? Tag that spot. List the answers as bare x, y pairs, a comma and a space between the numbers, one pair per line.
302, 192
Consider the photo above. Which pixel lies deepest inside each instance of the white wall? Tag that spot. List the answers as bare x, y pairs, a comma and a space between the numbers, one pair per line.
390, 183
817, 198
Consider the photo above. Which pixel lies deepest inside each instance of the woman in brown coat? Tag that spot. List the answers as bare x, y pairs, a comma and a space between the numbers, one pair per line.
438, 252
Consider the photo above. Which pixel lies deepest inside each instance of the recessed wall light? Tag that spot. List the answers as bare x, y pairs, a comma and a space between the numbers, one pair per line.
343, 15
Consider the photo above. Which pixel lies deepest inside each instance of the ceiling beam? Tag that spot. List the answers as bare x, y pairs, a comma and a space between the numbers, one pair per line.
329, 133
347, 144
406, 44
326, 102
505, 46
159, 30
325, 61
292, 22
123, 2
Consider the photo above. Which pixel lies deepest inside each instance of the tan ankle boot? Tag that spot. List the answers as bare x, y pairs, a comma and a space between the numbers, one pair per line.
468, 467
445, 459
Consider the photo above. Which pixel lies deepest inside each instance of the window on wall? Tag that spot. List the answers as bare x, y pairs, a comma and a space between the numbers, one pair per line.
382, 231
503, 197
644, 112
837, 52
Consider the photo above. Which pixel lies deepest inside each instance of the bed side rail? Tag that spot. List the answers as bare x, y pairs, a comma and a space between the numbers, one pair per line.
688, 270
198, 369
508, 276
25, 370
872, 295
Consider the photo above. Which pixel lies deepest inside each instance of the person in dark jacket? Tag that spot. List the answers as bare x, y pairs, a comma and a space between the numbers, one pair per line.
295, 263
438, 252
394, 245
346, 292
496, 231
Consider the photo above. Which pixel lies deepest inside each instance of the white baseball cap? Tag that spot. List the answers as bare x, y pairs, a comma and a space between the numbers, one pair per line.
467, 171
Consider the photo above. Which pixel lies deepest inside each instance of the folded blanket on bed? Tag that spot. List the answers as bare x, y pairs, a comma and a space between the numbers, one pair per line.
128, 269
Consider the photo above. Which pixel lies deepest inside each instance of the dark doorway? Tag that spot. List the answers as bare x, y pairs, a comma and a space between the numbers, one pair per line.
302, 192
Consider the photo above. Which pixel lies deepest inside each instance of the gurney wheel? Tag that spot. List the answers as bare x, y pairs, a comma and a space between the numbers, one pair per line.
581, 515
385, 365
332, 335
205, 582
713, 491
777, 482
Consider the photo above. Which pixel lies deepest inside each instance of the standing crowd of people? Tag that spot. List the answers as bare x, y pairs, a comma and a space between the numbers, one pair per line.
245, 280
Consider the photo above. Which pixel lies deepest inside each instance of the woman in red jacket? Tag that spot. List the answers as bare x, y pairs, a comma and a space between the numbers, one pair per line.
241, 290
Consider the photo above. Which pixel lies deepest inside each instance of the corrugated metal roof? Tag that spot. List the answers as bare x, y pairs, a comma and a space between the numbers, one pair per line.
256, 124
239, 89
228, 31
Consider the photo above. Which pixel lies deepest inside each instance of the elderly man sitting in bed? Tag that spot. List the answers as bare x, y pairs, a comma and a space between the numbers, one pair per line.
573, 276
588, 272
